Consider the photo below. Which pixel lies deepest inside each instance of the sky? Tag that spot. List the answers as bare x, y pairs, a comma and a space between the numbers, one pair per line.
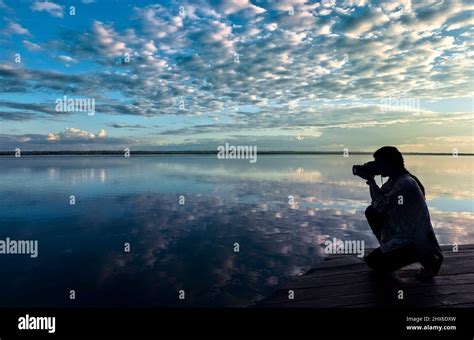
280, 75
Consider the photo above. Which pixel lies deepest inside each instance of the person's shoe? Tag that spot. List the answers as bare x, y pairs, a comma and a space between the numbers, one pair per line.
429, 272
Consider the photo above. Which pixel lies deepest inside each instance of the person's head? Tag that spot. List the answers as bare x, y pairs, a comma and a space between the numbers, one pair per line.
390, 161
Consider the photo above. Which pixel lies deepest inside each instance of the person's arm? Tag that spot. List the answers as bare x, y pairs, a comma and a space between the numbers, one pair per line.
374, 189
381, 198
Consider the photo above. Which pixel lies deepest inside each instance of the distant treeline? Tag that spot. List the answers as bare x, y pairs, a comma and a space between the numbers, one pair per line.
206, 152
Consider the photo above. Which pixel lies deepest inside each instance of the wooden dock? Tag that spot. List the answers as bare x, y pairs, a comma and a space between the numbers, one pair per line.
344, 281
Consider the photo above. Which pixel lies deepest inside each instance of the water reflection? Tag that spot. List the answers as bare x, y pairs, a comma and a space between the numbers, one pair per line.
191, 246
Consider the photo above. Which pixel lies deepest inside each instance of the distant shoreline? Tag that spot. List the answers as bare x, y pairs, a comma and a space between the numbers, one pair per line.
208, 152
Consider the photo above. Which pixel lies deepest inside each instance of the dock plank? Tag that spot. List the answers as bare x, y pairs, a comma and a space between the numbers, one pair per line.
345, 281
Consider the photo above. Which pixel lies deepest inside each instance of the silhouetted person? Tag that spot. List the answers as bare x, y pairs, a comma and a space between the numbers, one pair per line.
400, 220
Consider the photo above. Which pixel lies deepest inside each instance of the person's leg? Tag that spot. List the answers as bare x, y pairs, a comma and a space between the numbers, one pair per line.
375, 220
374, 259
400, 257
389, 261
431, 265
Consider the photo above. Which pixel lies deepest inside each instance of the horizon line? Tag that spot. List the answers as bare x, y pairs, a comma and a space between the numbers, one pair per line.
210, 152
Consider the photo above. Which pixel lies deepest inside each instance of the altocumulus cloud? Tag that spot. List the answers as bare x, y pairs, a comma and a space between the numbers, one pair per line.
48, 6
268, 65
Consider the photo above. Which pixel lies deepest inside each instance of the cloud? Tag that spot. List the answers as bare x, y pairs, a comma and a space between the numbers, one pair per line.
47, 6
15, 115
233, 6
31, 46
52, 81
67, 59
287, 5
23, 111
15, 28
77, 135
126, 126
105, 41
69, 139
365, 22
434, 16
53, 137
461, 22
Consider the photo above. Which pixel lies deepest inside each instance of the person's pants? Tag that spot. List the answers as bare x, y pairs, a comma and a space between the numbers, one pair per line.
390, 260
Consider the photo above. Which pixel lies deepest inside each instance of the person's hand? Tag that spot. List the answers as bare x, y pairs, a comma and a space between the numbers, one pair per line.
370, 181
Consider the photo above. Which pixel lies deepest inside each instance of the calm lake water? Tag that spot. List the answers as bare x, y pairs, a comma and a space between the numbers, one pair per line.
191, 246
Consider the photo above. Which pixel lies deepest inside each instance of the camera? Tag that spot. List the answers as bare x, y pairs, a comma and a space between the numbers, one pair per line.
366, 171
